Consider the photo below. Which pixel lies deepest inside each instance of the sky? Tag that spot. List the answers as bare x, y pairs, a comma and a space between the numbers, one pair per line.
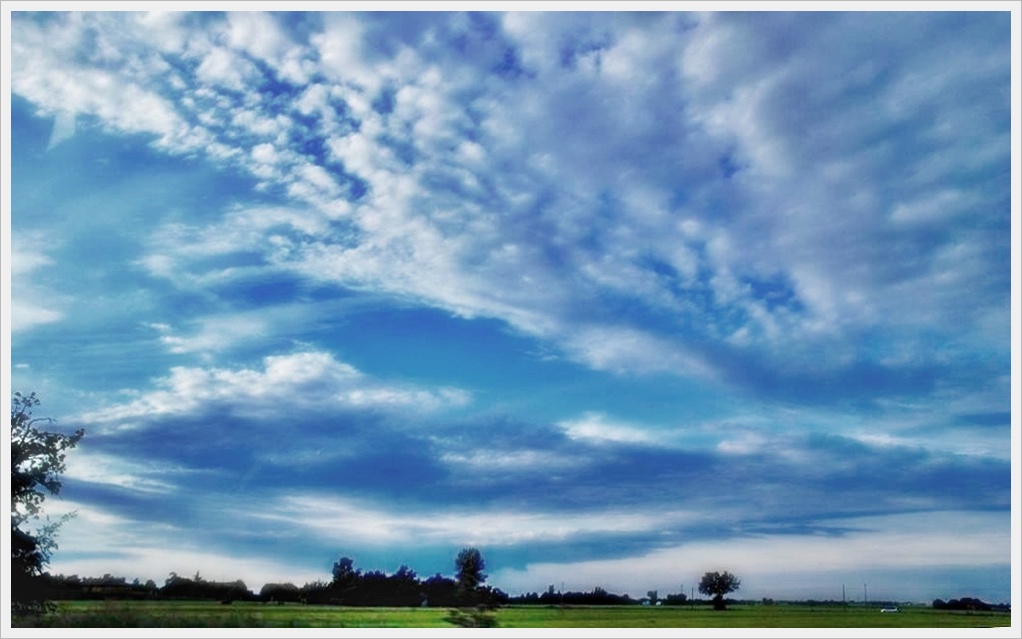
617, 298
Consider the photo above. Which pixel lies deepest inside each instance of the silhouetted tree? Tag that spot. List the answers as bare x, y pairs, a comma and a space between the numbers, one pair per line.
965, 603
37, 462
404, 588
597, 597
679, 599
316, 592
344, 571
280, 593
718, 584
404, 573
178, 587
440, 591
470, 576
346, 579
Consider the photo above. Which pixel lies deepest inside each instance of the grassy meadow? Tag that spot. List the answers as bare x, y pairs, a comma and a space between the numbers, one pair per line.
182, 614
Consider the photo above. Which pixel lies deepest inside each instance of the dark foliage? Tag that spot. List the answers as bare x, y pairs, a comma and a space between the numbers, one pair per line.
470, 575
177, 587
37, 462
965, 603
719, 584
353, 587
596, 597
679, 599
105, 587
280, 593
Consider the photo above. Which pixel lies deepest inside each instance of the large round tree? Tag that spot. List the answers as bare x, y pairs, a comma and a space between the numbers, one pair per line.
719, 584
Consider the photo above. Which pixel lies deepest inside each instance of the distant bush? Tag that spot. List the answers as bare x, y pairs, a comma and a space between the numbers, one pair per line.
597, 597
280, 593
679, 599
965, 603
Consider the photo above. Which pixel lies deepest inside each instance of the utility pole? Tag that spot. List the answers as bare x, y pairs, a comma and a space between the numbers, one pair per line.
843, 601
865, 597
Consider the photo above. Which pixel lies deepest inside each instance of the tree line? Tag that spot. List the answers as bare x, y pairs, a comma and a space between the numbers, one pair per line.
968, 603
38, 460
348, 587
351, 586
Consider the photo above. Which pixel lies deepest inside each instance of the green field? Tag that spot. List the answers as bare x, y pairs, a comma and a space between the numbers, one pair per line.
156, 614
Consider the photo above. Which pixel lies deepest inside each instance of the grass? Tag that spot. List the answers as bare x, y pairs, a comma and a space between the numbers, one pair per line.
744, 617
182, 614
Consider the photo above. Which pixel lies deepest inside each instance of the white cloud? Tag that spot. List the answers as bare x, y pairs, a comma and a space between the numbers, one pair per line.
223, 68
620, 348
746, 443
489, 463
139, 549
263, 126
536, 200
63, 128
313, 100
258, 34
145, 477
938, 207
165, 29
178, 251
905, 542
322, 381
25, 316
25, 260
596, 427
833, 200
805, 565
32, 304
366, 523
914, 430
342, 55
215, 333
50, 75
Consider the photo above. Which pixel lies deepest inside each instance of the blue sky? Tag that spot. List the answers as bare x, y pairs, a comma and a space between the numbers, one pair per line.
618, 298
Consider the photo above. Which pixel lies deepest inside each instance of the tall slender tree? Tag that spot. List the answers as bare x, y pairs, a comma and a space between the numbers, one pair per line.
470, 565
470, 578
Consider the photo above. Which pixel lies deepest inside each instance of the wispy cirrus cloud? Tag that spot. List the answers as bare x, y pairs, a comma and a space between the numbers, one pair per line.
133, 475
153, 550
34, 304
317, 377
365, 524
